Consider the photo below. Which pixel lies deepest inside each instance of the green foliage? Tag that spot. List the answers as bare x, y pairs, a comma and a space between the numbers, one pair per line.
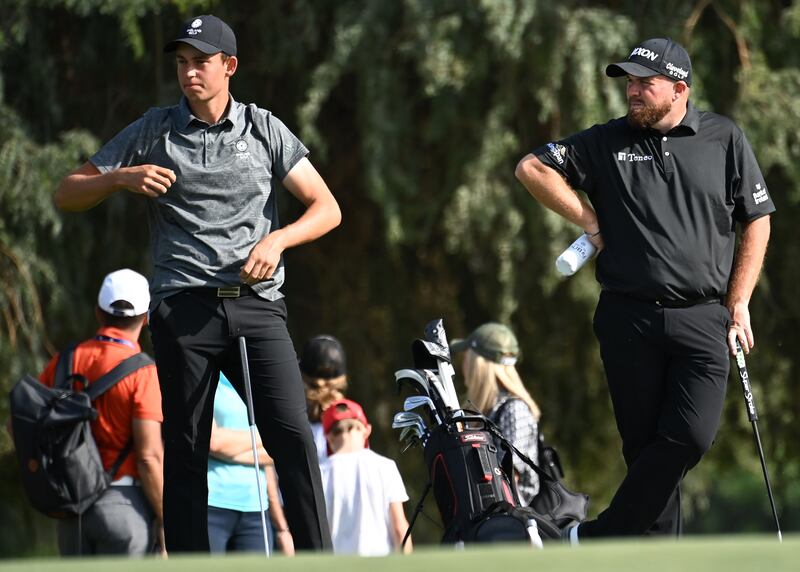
416, 112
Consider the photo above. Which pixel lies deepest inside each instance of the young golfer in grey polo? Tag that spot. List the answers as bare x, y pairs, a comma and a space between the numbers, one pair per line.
209, 166
668, 184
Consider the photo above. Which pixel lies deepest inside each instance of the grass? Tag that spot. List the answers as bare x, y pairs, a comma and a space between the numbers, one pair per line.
702, 554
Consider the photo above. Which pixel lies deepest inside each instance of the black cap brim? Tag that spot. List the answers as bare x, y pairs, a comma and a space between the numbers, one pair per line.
629, 68
204, 47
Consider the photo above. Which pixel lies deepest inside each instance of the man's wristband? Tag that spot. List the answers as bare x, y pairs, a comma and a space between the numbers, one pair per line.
592, 235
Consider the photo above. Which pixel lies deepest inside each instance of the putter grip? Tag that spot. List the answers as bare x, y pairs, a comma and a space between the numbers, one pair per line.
574, 257
744, 377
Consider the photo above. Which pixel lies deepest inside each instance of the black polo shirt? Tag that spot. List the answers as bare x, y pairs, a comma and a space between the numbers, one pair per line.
667, 204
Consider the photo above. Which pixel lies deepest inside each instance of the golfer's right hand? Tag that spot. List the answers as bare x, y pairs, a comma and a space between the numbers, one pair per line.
149, 180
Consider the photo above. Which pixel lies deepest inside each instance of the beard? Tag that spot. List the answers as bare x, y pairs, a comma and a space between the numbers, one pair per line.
647, 115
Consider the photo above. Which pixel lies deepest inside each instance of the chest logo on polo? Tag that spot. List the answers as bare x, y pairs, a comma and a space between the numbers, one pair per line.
624, 157
241, 149
559, 152
760, 195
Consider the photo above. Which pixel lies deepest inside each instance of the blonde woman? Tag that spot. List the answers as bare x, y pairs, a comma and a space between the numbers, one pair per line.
495, 388
323, 367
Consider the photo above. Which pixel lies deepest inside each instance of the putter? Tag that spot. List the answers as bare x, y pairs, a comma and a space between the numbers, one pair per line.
752, 415
251, 418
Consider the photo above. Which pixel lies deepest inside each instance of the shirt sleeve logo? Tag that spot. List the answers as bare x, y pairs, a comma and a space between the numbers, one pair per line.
558, 151
760, 195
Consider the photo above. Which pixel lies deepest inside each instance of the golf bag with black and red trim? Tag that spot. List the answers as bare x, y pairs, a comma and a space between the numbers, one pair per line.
476, 499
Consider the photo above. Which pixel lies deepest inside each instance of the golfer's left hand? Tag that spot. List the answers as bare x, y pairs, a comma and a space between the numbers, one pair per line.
740, 329
263, 259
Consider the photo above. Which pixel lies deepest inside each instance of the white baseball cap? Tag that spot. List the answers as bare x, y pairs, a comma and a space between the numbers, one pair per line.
124, 285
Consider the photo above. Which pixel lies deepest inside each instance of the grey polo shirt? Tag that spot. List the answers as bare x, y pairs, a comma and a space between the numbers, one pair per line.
667, 204
223, 200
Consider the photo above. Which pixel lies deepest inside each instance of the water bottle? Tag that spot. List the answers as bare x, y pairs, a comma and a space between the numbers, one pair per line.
533, 532
578, 254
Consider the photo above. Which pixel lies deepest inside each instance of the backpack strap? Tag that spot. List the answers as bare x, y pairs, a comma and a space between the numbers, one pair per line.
109, 380
112, 472
122, 370
64, 366
525, 459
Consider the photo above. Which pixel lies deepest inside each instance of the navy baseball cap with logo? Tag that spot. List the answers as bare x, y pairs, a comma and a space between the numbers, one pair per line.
657, 56
207, 33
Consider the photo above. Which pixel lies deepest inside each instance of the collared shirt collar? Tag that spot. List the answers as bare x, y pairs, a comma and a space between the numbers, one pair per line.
118, 334
690, 121
185, 115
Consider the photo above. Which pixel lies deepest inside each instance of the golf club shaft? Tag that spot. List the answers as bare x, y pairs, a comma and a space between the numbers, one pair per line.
251, 419
752, 414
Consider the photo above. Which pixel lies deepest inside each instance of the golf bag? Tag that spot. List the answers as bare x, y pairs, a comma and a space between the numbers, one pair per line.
476, 499
62, 473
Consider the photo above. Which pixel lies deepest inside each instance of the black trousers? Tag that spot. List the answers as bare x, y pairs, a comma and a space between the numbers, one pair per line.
195, 336
667, 372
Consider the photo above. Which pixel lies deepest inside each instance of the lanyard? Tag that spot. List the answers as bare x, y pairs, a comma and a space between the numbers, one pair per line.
102, 338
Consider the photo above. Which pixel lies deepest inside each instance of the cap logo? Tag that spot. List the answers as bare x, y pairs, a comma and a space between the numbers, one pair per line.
675, 71
197, 23
644, 53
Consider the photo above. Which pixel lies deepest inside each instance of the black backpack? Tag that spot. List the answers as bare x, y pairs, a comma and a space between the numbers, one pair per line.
554, 500
60, 466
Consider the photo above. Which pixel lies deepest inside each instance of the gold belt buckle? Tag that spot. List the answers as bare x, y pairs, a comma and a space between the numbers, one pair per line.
229, 292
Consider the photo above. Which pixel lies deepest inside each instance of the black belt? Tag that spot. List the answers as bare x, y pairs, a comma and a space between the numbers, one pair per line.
671, 303
224, 291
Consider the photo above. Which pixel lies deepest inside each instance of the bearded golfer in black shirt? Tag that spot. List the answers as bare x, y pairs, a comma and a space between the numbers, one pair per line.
667, 186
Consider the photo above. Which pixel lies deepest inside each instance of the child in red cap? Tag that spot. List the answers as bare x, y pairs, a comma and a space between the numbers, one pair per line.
364, 492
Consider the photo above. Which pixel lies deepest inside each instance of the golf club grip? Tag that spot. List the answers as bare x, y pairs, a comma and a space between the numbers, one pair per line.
747, 388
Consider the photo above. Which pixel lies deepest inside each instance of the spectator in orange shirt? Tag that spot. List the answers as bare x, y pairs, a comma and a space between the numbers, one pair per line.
127, 518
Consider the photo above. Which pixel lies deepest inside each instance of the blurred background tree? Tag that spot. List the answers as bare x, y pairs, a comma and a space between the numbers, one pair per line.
416, 112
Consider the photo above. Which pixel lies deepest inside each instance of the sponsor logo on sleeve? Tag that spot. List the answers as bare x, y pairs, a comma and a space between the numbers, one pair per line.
760, 195
559, 152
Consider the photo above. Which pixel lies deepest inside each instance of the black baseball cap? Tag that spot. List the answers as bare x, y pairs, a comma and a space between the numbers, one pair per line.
323, 357
207, 33
657, 56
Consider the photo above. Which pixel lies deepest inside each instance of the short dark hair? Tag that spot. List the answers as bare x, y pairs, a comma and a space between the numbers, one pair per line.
120, 322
